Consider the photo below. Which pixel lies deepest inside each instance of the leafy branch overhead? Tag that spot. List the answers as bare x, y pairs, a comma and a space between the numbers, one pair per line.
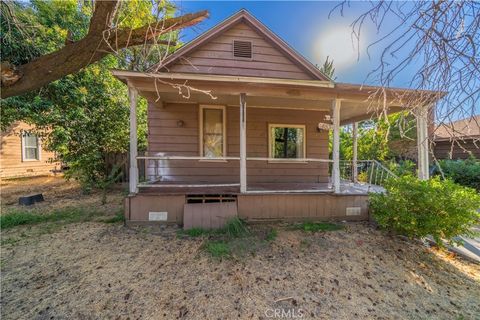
105, 36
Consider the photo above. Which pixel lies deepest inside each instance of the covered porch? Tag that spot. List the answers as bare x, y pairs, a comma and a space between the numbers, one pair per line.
331, 106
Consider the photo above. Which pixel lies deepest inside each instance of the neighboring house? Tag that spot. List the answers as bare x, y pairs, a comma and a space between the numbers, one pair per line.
238, 124
458, 140
22, 155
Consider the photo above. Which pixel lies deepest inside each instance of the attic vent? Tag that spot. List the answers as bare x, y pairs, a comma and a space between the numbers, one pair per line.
242, 49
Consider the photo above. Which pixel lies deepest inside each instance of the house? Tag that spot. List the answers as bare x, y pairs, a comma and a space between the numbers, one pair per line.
22, 155
458, 140
238, 124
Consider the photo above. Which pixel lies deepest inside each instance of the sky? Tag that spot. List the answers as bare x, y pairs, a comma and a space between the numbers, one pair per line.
307, 27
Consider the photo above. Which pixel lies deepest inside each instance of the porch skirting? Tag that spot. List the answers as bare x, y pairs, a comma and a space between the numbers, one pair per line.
151, 208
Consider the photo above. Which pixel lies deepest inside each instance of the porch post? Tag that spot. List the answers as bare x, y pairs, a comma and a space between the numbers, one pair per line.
355, 153
336, 145
133, 173
422, 142
243, 143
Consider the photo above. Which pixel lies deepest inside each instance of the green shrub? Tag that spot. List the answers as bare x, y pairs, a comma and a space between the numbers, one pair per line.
464, 172
271, 235
435, 207
235, 227
402, 167
317, 226
218, 249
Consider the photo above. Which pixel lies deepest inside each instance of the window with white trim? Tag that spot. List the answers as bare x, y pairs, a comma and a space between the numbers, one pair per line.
30, 147
212, 131
286, 141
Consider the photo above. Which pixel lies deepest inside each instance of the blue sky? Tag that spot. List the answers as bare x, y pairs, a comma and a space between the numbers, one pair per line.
306, 26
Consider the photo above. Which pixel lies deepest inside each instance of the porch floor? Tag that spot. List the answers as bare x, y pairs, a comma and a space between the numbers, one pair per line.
261, 188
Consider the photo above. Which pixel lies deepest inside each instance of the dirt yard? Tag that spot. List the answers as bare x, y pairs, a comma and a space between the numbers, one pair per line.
95, 270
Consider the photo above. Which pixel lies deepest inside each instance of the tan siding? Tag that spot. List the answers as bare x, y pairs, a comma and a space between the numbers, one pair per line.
216, 57
11, 164
185, 141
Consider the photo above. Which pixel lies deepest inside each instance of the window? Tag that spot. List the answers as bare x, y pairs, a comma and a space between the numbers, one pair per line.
242, 49
30, 147
286, 141
212, 131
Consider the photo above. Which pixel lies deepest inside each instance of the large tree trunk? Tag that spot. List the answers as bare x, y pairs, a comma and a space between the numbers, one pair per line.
100, 41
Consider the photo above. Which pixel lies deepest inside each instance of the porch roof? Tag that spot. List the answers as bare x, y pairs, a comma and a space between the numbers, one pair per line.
359, 102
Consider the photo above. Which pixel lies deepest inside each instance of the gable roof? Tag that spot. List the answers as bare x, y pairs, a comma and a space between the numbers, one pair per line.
466, 128
244, 16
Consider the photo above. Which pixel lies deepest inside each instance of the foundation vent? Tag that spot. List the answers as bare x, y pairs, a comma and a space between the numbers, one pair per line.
210, 198
353, 211
158, 216
242, 49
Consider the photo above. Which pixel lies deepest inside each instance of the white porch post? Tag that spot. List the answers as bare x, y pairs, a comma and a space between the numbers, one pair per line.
336, 145
133, 173
243, 143
422, 142
355, 153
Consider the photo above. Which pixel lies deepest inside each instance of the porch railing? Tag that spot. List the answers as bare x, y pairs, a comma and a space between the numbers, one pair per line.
368, 171
152, 167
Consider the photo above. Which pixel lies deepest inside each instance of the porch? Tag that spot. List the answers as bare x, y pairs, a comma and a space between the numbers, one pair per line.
245, 169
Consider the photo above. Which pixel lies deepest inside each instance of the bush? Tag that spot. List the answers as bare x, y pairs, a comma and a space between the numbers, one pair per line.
402, 167
435, 207
464, 172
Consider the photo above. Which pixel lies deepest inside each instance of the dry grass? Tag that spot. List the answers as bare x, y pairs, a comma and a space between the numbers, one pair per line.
97, 270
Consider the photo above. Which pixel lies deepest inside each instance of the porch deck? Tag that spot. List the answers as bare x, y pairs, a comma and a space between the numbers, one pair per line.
346, 187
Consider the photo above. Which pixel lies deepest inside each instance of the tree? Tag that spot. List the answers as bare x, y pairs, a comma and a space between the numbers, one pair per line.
106, 34
327, 68
435, 43
85, 114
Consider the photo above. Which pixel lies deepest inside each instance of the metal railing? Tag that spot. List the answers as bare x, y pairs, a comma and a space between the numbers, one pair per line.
368, 171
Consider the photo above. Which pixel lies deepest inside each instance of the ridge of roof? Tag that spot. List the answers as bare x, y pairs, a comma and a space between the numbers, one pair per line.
240, 15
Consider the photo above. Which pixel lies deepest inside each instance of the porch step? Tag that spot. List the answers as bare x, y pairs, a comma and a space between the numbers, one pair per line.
208, 215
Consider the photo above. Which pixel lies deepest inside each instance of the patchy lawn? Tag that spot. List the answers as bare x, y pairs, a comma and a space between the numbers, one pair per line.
92, 269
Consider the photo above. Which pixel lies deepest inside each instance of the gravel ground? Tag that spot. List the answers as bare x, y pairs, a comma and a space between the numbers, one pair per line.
95, 270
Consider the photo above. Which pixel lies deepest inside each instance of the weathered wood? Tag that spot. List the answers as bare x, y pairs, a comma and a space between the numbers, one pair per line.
336, 145
231, 66
422, 142
160, 140
243, 143
133, 173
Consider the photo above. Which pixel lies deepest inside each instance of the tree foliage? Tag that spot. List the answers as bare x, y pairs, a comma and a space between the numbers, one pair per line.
85, 114
388, 138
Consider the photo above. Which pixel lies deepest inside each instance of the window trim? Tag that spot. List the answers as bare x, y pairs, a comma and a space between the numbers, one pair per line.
286, 125
200, 127
39, 148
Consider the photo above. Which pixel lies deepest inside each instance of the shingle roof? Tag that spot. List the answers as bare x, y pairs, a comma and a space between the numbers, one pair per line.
466, 128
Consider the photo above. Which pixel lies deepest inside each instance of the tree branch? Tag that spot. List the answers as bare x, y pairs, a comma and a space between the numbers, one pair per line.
101, 40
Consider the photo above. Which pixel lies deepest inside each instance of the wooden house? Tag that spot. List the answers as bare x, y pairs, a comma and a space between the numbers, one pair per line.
458, 140
22, 155
238, 124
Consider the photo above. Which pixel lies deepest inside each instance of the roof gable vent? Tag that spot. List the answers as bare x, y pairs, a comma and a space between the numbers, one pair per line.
242, 49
